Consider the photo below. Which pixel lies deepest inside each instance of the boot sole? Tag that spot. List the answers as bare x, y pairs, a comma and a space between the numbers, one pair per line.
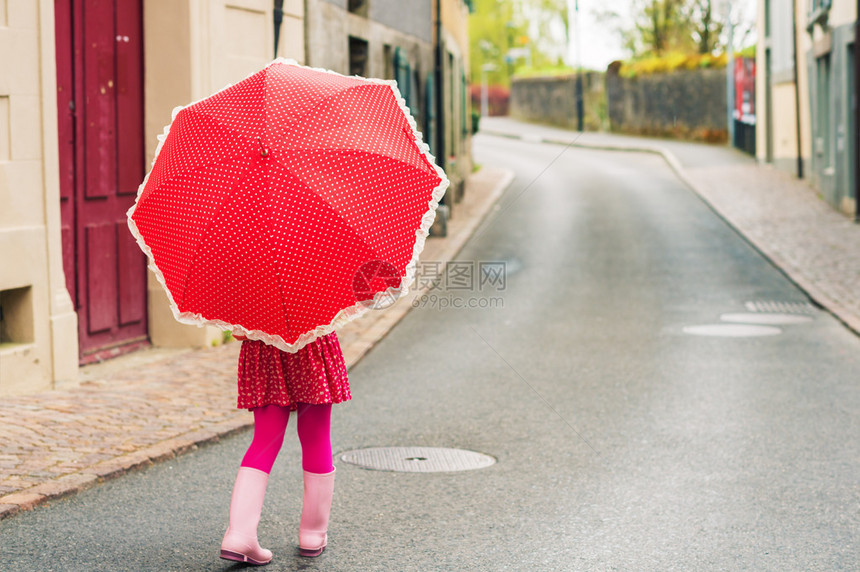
311, 552
239, 557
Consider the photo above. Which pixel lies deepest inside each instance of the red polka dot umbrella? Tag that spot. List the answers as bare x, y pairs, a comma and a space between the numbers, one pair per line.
287, 204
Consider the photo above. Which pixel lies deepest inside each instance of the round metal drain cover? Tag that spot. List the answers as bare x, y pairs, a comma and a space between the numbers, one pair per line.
417, 459
732, 330
766, 318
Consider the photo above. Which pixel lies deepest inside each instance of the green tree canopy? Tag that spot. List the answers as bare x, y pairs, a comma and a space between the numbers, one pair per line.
493, 29
661, 27
512, 35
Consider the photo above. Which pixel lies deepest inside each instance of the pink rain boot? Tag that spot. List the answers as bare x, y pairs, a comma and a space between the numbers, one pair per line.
240, 541
316, 507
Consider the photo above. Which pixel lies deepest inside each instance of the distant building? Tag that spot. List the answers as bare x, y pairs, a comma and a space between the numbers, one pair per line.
806, 116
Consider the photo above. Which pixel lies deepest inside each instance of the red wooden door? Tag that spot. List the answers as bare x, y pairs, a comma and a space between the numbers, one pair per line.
100, 103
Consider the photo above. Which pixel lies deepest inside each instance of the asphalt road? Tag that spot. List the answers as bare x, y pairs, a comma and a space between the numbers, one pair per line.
622, 442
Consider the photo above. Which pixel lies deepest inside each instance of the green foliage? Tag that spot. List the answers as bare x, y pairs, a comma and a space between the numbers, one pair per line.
492, 31
657, 27
703, 20
544, 71
671, 62
498, 26
662, 27
747, 52
476, 120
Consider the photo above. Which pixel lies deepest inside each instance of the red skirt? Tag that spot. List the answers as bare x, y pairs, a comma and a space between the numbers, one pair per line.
315, 374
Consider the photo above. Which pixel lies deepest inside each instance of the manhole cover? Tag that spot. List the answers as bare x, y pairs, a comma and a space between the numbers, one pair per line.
732, 330
780, 307
762, 318
417, 459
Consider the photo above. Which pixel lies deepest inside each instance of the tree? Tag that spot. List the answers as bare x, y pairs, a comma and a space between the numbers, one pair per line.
497, 27
550, 27
493, 29
705, 26
659, 26
663, 26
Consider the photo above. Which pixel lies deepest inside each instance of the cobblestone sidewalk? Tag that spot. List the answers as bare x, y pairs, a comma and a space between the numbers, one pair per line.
783, 217
155, 404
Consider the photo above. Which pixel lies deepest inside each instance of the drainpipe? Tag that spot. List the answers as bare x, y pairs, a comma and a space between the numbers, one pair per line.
797, 88
580, 108
440, 94
857, 115
278, 15
730, 77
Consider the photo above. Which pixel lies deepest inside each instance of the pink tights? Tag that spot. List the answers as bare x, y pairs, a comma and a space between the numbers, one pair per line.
313, 426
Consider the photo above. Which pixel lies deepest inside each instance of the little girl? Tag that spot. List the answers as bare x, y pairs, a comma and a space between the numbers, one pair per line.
271, 384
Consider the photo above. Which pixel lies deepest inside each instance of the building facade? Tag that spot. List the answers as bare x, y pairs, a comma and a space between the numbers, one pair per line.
455, 72
91, 86
806, 120
829, 26
782, 121
391, 39
38, 320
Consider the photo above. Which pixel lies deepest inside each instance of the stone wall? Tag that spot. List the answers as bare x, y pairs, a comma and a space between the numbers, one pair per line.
684, 104
552, 100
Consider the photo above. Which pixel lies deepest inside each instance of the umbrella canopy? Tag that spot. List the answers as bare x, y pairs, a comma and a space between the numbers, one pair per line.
272, 205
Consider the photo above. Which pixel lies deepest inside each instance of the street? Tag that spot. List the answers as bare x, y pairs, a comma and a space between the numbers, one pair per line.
622, 441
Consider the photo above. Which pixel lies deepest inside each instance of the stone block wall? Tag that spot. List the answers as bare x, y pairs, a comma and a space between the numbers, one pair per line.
552, 100
687, 104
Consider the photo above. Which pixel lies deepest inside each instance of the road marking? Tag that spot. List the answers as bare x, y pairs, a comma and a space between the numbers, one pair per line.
768, 319
732, 330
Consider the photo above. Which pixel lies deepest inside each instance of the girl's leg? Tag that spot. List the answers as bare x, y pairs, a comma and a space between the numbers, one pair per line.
315, 437
270, 423
240, 541
314, 429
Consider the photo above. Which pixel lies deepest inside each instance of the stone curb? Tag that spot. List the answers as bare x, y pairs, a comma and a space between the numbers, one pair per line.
815, 293
29, 498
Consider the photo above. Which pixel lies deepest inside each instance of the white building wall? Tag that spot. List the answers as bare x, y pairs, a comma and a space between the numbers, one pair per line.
38, 329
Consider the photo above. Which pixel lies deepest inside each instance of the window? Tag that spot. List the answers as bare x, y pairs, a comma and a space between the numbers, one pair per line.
823, 146
401, 73
357, 56
388, 57
819, 11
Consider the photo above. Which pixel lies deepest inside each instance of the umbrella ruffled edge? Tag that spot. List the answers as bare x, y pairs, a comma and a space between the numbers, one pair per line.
360, 308
346, 315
